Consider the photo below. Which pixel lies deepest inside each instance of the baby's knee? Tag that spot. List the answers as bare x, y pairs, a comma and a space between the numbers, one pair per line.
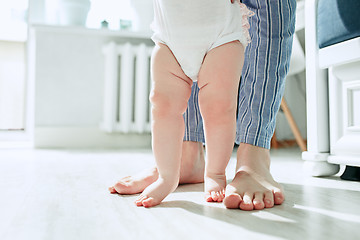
165, 104
217, 106
159, 101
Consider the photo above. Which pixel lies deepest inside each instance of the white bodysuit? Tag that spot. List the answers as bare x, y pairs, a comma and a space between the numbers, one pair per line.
191, 28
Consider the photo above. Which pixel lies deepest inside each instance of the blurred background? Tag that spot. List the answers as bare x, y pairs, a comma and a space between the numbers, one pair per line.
54, 68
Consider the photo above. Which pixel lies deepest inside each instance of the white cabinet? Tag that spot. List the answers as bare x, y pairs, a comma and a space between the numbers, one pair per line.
333, 101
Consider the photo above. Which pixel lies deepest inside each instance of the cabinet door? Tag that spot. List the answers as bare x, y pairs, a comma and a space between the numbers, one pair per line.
344, 100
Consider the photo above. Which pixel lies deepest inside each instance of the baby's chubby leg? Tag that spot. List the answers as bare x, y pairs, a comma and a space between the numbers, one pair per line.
170, 93
218, 81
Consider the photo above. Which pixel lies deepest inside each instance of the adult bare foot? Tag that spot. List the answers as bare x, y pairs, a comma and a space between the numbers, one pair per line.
191, 171
253, 186
136, 183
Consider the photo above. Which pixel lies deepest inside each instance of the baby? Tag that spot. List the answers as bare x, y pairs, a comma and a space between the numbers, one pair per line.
199, 41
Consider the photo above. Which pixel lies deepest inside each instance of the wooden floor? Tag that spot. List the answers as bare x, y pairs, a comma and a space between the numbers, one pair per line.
58, 194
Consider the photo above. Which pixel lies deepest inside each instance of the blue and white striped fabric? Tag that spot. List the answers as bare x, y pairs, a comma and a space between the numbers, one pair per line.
266, 64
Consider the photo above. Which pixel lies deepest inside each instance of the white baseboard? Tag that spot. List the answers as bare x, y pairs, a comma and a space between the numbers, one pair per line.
87, 137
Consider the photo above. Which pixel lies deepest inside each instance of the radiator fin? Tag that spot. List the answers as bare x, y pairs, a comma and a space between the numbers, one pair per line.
127, 87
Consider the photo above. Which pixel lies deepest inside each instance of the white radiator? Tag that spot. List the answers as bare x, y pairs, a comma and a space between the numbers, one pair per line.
127, 87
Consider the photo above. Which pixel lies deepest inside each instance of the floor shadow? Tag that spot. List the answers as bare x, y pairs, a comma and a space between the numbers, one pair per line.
198, 187
308, 212
241, 219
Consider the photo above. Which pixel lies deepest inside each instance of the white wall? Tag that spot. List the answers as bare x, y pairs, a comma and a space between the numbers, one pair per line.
12, 85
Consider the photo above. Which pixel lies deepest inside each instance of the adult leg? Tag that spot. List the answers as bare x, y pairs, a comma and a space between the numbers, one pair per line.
169, 96
218, 82
266, 64
192, 160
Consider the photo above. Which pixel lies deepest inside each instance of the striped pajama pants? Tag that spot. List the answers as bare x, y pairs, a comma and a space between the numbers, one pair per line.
262, 84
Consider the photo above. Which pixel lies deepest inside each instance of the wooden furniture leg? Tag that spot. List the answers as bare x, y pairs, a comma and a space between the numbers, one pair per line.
294, 128
274, 142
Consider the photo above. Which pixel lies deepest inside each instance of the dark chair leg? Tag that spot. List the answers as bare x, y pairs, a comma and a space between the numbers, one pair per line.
351, 173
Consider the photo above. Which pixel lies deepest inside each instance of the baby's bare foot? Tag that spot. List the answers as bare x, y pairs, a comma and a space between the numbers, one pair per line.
253, 187
215, 187
192, 171
156, 192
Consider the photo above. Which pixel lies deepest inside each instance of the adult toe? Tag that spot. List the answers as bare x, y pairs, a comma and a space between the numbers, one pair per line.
232, 201
258, 201
247, 203
268, 199
278, 197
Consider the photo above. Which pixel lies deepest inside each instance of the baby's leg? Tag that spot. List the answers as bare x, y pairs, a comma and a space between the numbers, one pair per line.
218, 82
169, 96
